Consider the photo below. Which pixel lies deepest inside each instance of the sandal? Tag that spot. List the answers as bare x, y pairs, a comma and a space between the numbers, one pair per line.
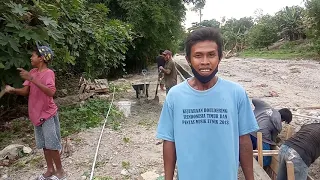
53, 177
41, 177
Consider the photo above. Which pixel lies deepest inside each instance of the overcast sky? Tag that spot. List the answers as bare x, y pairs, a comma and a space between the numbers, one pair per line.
237, 9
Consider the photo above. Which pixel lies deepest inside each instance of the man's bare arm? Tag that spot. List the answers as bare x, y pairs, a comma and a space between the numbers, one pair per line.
21, 91
169, 158
167, 71
246, 156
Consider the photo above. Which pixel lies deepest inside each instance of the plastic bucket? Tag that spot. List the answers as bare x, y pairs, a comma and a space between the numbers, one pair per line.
125, 107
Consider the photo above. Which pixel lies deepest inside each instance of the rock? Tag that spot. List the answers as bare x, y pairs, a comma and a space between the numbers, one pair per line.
5, 176
295, 70
11, 151
133, 171
114, 165
26, 150
262, 85
272, 94
124, 172
83, 177
64, 91
5, 162
284, 77
247, 80
150, 175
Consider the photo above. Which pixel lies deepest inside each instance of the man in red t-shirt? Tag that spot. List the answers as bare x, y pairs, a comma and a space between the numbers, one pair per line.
39, 85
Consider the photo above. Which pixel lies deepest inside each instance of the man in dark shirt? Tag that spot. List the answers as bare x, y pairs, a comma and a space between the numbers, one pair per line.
161, 62
303, 148
270, 125
169, 70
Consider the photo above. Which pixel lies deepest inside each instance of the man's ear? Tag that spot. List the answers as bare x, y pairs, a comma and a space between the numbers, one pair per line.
188, 60
41, 58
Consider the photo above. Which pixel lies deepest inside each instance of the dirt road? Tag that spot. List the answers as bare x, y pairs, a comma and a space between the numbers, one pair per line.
132, 151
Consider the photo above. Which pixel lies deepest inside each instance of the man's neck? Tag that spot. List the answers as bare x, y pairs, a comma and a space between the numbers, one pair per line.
196, 84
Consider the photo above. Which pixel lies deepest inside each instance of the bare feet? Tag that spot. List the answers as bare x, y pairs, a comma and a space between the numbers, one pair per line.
60, 174
48, 173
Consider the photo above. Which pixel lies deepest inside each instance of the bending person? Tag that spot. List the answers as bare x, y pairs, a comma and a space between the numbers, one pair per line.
302, 149
270, 125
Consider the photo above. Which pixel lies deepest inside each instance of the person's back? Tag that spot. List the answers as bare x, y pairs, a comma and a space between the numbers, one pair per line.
306, 142
269, 121
302, 149
160, 61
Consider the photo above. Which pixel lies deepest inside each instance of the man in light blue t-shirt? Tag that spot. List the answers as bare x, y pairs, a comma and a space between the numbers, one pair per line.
206, 120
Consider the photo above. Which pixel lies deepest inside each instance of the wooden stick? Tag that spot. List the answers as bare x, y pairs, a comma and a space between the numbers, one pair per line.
310, 117
289, 132
266, 152
260, 149
307, 108
290, 170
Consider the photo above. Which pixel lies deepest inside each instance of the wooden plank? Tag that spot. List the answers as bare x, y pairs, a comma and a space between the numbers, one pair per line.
260, 148
274, 164
259, 173
290, 170
289, 132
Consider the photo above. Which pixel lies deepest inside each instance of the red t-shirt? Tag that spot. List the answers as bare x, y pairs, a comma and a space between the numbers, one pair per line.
40, 106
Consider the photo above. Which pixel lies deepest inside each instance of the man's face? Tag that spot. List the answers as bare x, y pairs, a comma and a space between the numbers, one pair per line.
204, 57
166, 57
35, 59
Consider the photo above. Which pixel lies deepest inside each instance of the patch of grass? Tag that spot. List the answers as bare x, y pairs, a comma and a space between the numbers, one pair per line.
125, 165
122, 87
36, 161
126, 140
19, 165
289, 50
73, 119
91, 114
18, 129
103, 178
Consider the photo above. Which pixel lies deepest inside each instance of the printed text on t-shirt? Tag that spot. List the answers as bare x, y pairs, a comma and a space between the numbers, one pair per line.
205, 116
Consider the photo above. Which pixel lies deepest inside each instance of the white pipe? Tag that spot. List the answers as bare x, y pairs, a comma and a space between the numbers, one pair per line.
105, 121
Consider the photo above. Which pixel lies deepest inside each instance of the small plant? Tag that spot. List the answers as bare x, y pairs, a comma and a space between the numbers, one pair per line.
102, 178
126, 140
125, 165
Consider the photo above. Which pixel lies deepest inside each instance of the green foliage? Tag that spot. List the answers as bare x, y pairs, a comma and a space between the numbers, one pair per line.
288, 50
290, 22
263, 34
89, 115
78, 32
313, 22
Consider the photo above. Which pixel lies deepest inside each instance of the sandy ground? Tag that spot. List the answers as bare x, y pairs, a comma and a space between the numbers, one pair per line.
132, 150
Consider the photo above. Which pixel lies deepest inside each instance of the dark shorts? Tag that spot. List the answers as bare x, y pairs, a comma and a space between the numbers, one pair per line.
47, 135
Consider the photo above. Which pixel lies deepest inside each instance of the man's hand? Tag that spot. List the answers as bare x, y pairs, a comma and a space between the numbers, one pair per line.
24, 74
8, 89
161, 68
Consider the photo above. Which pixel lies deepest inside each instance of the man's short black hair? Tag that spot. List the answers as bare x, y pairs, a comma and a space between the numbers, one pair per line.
286, 115
161, 51
204, 34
